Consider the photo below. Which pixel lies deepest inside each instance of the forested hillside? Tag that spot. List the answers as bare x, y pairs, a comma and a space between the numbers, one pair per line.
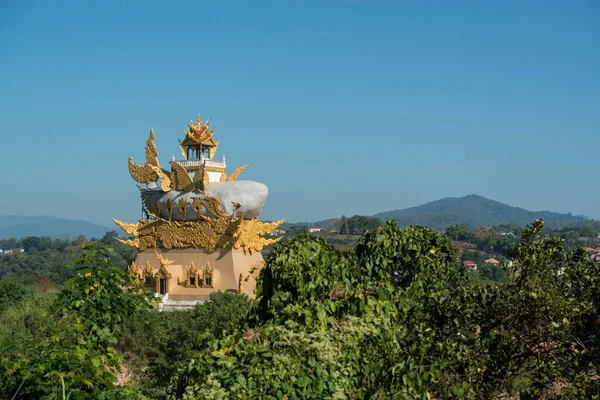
475, 212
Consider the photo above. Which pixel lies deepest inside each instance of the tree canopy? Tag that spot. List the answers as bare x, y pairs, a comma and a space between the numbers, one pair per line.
394, 317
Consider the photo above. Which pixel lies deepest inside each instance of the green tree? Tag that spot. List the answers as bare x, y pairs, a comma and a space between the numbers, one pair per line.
359, 224
169, 340
344, 227
532, 329
11, 292
459, 232
75, 357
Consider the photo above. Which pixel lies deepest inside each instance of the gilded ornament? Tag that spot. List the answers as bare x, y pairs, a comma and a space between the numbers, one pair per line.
191, 269
246, 234
181, 179
152, 207
213, 206
197, 207
213, 150
199, 133
210, 276
130, 229
169, 208
147, 270
163, 272
237, 173
146, 174
208, 234
134, 269
183, 152
165, 179
182, 207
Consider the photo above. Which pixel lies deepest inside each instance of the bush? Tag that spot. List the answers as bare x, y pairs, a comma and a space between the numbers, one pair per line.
74, 354
160, 343
12, 292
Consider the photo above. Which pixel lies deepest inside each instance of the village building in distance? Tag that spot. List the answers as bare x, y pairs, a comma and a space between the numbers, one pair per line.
200, 232
11, 251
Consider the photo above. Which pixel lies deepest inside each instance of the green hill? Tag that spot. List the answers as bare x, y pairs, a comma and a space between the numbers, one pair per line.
475, 212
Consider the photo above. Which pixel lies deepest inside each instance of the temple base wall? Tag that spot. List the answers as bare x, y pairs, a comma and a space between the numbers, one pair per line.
226, 267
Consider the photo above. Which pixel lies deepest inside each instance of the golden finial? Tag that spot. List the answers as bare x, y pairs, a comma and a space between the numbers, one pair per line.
164, 262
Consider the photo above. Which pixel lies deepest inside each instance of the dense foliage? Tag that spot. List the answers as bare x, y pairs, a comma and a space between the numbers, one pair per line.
395, 317
69, 351
52, 258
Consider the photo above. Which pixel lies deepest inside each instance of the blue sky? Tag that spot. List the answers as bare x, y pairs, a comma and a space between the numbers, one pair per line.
342, 107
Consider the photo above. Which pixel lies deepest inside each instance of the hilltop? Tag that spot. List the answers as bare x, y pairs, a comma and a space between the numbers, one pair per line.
475, 212
12, 226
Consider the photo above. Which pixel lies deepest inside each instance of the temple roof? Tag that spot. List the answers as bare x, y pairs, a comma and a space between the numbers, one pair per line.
199, 133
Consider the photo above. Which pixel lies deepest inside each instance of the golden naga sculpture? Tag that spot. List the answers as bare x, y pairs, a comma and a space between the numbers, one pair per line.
196, 205
146, 174
235, 174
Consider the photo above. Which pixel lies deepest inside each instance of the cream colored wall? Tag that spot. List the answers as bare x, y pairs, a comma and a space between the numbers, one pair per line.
227, 267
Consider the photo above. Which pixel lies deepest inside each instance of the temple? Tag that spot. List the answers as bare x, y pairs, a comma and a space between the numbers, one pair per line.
200, 230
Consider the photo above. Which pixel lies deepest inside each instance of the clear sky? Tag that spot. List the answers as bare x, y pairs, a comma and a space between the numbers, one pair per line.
342, 107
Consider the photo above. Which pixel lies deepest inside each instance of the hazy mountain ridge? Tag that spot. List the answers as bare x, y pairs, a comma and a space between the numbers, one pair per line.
474, 211
20, 226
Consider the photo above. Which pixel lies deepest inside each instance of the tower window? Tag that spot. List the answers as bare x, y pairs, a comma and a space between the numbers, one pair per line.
193, 152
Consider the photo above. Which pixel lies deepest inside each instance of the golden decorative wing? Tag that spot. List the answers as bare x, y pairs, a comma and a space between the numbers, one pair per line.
180, 178
165, 176
237, 173
141, 174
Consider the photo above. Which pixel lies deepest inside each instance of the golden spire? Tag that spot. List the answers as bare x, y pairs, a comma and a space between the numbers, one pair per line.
200, 133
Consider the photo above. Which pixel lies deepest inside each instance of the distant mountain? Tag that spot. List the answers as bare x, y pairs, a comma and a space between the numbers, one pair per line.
475, 212
18, 227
